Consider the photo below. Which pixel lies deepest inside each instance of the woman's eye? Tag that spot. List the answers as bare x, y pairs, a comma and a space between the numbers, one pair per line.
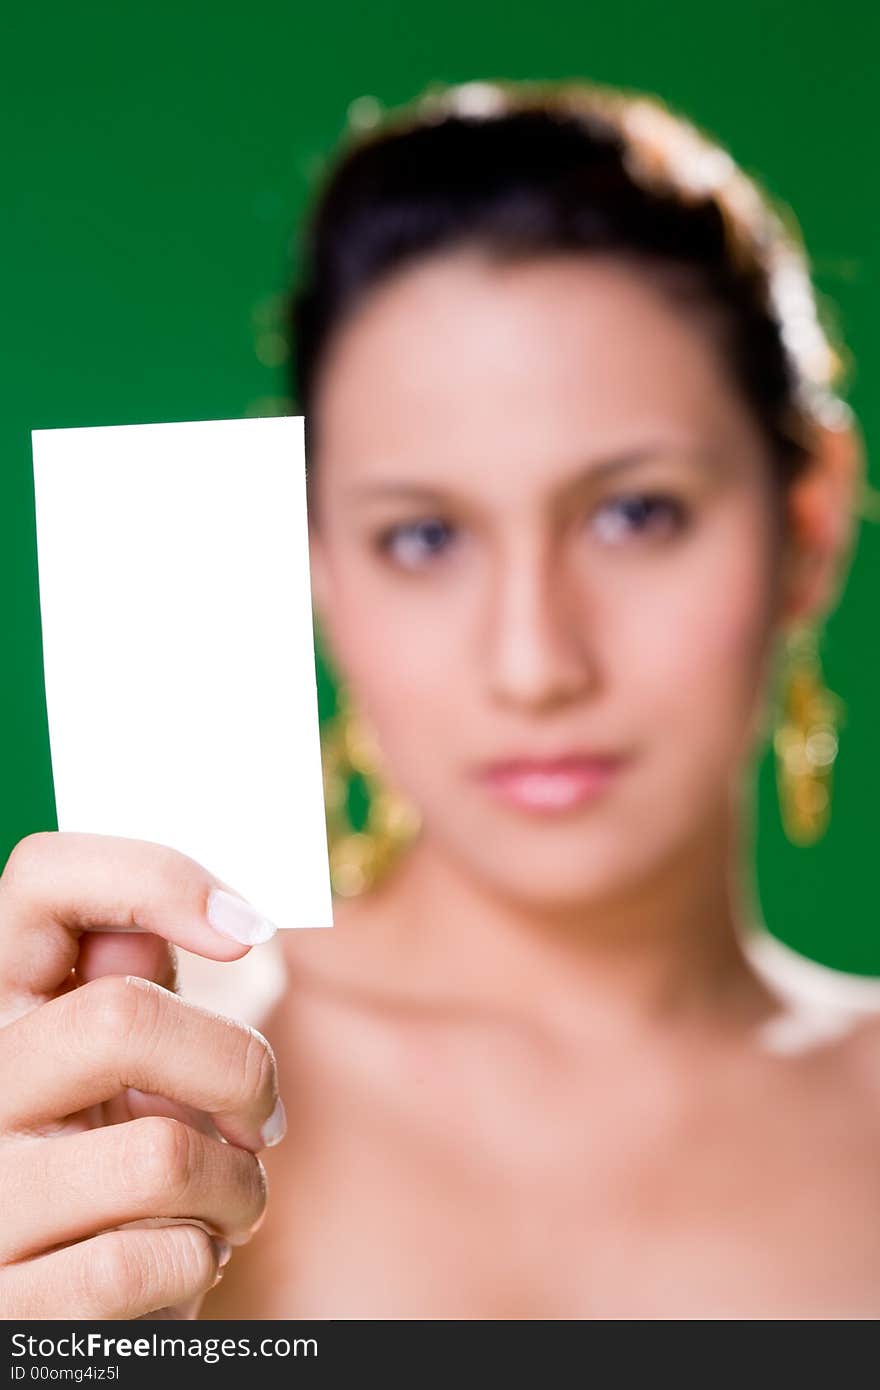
638, 514
413, 543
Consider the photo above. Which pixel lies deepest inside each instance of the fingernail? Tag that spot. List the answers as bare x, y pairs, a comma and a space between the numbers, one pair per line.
275, 1128
234, 918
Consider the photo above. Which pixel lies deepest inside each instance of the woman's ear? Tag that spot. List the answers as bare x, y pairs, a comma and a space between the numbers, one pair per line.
822, 510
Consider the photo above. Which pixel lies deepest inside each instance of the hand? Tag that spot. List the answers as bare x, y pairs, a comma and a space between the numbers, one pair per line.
116, 1095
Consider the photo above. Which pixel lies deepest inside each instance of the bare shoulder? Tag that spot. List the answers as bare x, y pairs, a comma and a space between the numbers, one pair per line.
353, 953
353, 979
842, 1067
861, 1050
294, 966
825, 1018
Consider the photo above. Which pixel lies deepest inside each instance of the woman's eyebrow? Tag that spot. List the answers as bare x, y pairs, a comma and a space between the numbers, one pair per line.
609, 466
588, 474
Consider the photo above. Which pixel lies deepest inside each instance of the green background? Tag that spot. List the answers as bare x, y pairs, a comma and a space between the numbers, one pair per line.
156, 158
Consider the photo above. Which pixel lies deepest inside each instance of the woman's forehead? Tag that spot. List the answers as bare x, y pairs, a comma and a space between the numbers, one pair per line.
457, 359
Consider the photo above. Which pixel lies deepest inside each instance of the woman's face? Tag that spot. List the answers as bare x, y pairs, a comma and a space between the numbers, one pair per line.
542, 534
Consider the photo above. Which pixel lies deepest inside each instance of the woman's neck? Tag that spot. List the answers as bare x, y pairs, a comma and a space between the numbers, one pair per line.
665, 953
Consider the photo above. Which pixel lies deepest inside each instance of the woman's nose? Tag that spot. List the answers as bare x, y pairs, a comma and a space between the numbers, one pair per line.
539, 648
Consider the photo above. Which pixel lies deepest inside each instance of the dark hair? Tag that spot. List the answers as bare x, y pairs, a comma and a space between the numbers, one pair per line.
526, 169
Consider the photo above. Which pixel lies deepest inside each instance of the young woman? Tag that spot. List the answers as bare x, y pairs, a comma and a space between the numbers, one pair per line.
579, 480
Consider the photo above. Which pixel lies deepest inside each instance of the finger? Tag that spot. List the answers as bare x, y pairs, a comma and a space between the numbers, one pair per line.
84, 1184
134, 1105
123, 953
137, 953
87, 1046
57, 885
122, 1274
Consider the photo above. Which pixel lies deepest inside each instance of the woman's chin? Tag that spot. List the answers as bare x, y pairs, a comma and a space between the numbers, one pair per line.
569, 864
553, 879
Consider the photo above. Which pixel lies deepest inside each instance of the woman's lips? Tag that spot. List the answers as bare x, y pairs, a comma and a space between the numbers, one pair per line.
548, 785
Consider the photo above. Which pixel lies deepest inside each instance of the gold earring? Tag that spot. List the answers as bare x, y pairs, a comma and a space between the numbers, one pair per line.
362, 847
805, 741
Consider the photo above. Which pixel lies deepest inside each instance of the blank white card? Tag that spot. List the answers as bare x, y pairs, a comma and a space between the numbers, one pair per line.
178, 648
